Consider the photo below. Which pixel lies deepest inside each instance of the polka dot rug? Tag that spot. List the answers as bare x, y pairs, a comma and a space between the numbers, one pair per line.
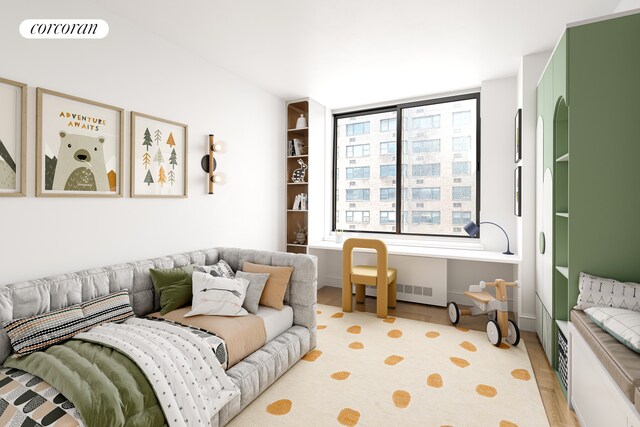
367, 371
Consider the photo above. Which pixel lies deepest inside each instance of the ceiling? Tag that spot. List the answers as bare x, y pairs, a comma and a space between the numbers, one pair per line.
346, 53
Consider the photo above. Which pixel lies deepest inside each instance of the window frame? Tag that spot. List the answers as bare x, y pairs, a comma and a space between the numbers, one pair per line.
397, 108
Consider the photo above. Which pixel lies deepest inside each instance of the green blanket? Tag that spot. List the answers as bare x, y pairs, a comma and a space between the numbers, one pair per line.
105, 386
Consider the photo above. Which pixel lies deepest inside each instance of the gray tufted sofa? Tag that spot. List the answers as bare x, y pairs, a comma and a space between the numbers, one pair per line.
252, 375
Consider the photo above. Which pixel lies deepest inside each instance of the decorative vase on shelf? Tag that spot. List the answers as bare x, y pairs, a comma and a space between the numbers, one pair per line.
339, 236
301, 122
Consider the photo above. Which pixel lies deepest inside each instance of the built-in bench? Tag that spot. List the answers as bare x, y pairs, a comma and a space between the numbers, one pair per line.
605, 376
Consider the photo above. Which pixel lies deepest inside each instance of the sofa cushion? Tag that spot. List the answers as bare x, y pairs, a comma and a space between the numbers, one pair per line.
621, 363
217, 296
274, 291
177, 282
257, 282
601, 292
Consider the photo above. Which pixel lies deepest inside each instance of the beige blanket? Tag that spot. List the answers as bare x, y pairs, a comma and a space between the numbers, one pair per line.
243, 334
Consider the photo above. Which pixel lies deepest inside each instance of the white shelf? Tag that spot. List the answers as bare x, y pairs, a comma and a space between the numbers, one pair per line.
563, 325
563, 214
563, 270
297, 210
430, 252
296, 245
297, 130
564, 158
298, 157
297, 183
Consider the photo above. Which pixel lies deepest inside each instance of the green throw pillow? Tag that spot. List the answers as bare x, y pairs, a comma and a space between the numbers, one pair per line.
173, 285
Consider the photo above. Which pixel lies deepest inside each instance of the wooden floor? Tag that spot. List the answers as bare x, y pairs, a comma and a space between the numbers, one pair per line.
553, 398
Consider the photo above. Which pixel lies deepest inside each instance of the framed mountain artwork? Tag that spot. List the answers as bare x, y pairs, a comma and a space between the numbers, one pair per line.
80, 147
158, 157
13, 137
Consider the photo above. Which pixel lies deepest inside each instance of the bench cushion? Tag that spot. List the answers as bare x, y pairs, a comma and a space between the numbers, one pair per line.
621, 363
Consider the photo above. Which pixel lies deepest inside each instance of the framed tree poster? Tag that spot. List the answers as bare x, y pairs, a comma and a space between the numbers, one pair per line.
158, 157
79, 144
13, 138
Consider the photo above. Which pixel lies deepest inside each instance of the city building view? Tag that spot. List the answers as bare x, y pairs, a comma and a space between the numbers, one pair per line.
437, 192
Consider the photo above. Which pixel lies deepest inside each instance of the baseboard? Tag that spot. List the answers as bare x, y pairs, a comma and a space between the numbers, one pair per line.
527, 322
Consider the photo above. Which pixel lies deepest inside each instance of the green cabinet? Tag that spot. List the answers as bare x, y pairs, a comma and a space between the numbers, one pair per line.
589, 118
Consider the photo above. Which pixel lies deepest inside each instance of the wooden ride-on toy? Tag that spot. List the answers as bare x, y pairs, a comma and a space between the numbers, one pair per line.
499, 325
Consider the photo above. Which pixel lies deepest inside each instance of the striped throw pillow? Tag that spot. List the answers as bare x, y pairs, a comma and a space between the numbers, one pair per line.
114, 307
35, 333
39, 332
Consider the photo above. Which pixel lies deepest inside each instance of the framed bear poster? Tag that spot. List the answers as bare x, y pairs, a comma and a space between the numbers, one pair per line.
79, 144
13, 137
158, 157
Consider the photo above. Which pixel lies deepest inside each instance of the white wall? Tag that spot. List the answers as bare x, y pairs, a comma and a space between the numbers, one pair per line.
498, 107
138, 71
625, 5
530, 70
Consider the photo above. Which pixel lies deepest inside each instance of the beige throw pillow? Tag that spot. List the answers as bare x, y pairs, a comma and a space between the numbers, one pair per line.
274, 290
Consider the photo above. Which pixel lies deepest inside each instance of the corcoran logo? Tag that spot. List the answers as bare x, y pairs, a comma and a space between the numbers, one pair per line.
64, 29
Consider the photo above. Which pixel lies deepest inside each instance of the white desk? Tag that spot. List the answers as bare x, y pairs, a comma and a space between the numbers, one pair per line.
435, 279
431, 252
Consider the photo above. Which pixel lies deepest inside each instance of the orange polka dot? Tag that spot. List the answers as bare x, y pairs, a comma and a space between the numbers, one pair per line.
312, 355
468, 346
432, 334
340, 375
279, 407
401, 398
521, 374
354, 329
486, 390
393, 360
459, 362
348, 417
395, 333
321, 327
434, 380
356, 345
318, 312
504, 346
337, 315
461, 329
504, 423
389, 320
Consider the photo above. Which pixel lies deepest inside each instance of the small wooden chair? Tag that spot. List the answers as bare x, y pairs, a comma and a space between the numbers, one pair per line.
380, 275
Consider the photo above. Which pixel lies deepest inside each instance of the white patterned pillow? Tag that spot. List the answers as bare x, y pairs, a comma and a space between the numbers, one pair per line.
599, 292
221, 269
623, 325
217, 296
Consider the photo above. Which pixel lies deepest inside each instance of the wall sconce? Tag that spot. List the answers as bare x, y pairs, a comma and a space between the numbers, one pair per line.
209, 163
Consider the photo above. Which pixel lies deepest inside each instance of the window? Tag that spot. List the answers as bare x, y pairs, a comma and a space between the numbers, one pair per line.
425, 146
359, 194
361, 150
461, 218
387, 217
357, 128
461, 168
358, 173
426, 122
358, 216
427, 193
388, 125
425, 217
387, 171
461, 118
388, 194
412, 166
461, 193
461, 143
388, 147
426, 169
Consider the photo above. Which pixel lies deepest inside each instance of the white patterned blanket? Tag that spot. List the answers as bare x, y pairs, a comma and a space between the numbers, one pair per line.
183, 370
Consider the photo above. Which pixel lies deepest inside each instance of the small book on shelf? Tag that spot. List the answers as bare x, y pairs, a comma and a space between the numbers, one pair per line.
296, 203
299, 147
292, 150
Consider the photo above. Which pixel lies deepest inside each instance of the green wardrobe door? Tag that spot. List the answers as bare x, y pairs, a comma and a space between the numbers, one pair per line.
604, 132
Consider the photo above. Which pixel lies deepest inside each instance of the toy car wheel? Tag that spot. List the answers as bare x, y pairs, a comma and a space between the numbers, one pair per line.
492, 315
493, 332
513, 333
454, 312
